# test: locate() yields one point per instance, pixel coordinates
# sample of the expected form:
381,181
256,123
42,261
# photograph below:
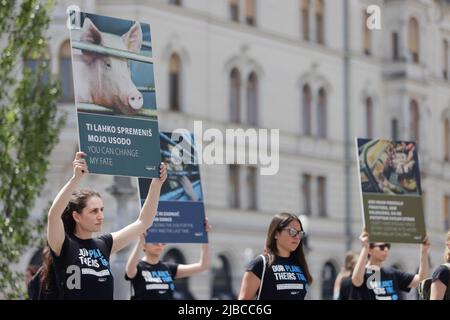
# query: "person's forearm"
150,207
204,257
133,260
358,272
63,198
424,267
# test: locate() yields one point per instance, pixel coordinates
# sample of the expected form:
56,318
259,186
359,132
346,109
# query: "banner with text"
391,192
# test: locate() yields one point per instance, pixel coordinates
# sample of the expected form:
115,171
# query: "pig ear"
90,34
133,38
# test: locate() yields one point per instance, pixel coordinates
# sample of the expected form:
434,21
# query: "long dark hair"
278,223
76,203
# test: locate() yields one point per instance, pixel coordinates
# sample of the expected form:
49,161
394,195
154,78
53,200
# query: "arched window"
252,99
306,110
222,280
414,39
320,22
445,60
414,129
446,140
250,12
65,72
174,82
234,10
329,274
369,117
394,129
366,34
182,291
322,114
235,95
305,19
35,60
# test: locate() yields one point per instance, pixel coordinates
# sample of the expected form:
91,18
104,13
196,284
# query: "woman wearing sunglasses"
151,278
371,281
440,289
281,272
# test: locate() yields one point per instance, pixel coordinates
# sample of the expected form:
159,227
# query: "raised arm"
424,267
186,270
358,271
55,226
127,234
133,260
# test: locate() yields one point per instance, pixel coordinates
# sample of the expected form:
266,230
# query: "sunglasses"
381,246
294,232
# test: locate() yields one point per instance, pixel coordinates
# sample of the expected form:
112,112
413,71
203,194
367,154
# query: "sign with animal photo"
390,190
115,95
181,214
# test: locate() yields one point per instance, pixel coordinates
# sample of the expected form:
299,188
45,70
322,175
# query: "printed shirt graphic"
87,274
154,281
283,280
388,285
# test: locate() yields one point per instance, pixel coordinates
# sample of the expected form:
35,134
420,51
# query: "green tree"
29,129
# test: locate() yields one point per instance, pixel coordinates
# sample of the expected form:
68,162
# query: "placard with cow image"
181,213
114,87
390,188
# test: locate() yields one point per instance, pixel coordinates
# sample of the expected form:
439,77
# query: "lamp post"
122,191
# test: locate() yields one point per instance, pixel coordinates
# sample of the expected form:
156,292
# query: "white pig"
106,80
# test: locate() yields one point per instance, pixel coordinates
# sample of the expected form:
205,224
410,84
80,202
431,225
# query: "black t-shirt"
346,291
386,287
154,281
84,267
283,280
442,273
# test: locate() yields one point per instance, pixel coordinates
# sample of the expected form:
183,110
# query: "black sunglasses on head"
381,246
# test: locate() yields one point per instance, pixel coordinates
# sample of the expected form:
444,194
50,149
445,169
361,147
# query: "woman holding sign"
281,272
441,276
371,281
153,279
81,261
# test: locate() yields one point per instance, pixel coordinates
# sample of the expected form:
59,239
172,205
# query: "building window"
306,194
446,140
322,114
305,19
250,12
235,95
320,22
413,39
252,188
222,280
394,129
234,187
414,129
252,99
395,55
322,196
65,72
174,82
306,110
35,62
329,274
369,117
234,10
366,34
175,2
446,212
445,60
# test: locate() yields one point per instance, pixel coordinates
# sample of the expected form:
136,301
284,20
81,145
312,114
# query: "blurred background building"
308,67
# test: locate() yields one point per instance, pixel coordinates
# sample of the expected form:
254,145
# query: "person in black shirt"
81,261
285,274
153,279
441,276
371,281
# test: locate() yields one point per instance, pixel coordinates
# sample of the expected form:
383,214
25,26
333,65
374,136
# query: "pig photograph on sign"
115,95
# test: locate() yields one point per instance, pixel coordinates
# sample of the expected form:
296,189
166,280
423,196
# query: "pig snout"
135,100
